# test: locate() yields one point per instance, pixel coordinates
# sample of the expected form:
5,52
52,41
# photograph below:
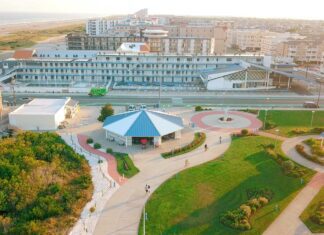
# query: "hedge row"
199,139
289,167
318,216
301,150
240,217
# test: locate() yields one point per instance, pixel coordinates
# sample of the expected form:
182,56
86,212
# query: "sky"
298,9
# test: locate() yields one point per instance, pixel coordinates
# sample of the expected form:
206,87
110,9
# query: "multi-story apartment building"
304,50
322,64
71,67
273,44
246,39
158,40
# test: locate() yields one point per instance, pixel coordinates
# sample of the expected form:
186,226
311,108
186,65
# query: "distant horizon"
276,9
92,15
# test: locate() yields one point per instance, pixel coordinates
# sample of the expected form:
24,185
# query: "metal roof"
143,123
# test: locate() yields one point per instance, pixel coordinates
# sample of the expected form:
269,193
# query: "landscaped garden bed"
313,215
293,122
44,184
125,165
199,139
193,201
317,153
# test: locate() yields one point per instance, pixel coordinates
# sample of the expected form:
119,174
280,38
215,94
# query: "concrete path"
122,213
288,222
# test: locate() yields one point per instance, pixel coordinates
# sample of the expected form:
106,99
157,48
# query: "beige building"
322,64
157,40
304,50
246,39
273,44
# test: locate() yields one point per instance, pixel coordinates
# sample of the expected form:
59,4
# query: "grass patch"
125,165
309,212
293,122
193,201
198,140
26,39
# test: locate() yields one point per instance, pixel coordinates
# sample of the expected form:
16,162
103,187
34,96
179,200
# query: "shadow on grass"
269,175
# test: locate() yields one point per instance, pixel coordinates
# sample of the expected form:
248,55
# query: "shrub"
198,108
89,141
318,216
109,150
92,209
263,201
239,218
199,139
244,132
105,112
97,146
246,209
288,165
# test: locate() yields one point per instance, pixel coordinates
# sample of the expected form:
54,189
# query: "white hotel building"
67,68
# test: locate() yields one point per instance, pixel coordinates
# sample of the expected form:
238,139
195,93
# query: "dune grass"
26,39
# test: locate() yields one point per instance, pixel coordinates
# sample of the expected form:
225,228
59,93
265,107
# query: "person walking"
220,140
186,163
146,189
206,147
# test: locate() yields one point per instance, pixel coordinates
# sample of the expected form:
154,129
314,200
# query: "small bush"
92,209
198,108
288,165
109,150
97,146
89,141
244,132
318,216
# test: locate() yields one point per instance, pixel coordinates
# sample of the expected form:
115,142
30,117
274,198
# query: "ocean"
7,18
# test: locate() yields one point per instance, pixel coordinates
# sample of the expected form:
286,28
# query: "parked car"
310,105
142,107
131,108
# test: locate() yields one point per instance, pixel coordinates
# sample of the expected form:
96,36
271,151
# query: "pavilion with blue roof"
132,127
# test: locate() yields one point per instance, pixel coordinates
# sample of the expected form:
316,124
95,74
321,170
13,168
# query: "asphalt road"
232,100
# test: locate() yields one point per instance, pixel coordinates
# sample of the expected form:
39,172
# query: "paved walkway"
288,222
123,211
273,136
112,162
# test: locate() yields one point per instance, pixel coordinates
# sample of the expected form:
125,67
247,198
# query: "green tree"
106,111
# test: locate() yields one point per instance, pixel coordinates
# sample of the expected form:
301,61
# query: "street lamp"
319,80
265,119
313,112
277,133
322,137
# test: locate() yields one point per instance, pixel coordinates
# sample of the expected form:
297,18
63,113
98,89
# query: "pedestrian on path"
220,140
186,163
146,189
149,188
206,147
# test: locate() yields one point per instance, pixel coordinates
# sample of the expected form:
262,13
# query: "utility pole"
319,92
13,83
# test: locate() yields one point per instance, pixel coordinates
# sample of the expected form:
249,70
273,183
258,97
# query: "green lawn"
287,120
192,201
308,212
125,165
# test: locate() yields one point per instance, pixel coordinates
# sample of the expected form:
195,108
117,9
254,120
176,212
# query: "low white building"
41,114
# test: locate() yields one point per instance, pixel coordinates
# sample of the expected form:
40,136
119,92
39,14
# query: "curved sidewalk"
112,162
288,222
123,211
